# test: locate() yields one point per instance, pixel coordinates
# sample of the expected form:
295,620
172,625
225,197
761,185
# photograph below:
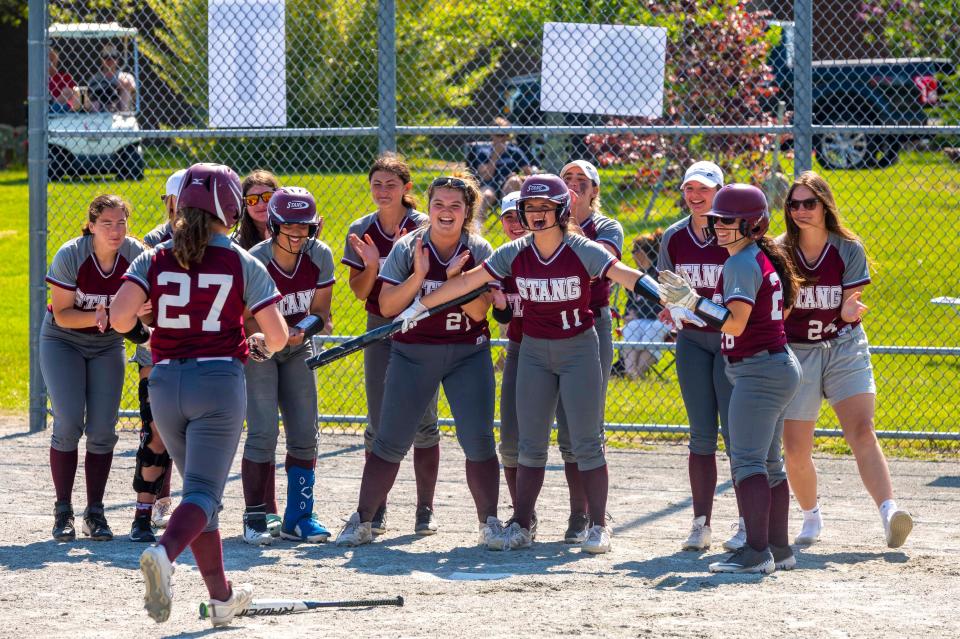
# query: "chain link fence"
864,91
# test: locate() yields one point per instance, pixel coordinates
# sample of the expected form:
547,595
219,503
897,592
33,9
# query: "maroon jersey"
313,270
816,314
515,327
454,326
608,232
555,290
75,268
370,225
749,277
199,313
702,262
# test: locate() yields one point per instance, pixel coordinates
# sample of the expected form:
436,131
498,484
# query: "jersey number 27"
168,302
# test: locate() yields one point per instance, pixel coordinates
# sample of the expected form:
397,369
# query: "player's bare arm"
362,281
125,306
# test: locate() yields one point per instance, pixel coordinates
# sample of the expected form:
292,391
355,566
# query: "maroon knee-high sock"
378,477
578,496
483,479
208,553
270,490
529,483
736,493
426,467
780,514
703,483
755,497
366,457
186,523
63,467
510,474
165,488
596,484
96,469
290,460
253,476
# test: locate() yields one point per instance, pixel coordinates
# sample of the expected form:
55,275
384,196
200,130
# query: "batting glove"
676,290
413,314
680,315
258,348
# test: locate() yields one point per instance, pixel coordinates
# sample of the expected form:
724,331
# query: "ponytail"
786,270
191,234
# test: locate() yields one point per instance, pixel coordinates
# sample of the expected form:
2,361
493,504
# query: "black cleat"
63,527
577,526
747,560
95,524
142,530
378,525
426,524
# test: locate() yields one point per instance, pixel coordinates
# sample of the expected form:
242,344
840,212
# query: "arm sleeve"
259,289
741,280
322,257
399,264
856,272
63,270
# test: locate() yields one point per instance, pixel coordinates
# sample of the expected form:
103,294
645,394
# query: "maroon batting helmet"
292,205
744,202
213,188
549,187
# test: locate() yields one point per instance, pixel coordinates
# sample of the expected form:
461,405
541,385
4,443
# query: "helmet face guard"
548,187
293,205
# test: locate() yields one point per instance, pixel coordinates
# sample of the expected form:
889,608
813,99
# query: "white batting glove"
677,290
680,315
413,314
257,344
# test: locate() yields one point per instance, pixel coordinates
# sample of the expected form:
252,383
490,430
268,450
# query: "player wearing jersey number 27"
199,284
757,286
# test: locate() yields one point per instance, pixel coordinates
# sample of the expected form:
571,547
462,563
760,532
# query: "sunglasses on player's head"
253,198
447,181
808,204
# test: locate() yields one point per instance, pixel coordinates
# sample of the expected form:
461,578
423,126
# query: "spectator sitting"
60,84
111,89
640,315
499,165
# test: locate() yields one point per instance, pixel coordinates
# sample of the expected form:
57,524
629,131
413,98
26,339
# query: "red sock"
426,467
208,553
703,483
63,467
780,514
529,483
578,497
186,523
483,479
309,464
96,469
510,474
165,489
253,476
755,497
596,485
378,478
270,490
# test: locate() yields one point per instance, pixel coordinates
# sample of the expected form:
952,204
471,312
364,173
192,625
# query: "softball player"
688,248
152,473
452,349
582,178
368,243
199,284
82,360
824,331
757,285
559,356
302,269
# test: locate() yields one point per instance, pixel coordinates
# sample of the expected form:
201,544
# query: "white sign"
601,68
246,63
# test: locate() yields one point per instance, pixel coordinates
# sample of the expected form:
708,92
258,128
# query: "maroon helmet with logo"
292,205
744,202
547,186
213,188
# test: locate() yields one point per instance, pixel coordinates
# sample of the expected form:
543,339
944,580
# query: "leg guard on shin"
146,457
146,415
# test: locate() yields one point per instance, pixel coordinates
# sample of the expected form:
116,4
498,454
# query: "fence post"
37,185
802,86
387,75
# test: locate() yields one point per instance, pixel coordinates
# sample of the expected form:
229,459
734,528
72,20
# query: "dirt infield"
848,585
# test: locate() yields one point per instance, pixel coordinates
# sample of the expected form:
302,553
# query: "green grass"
906,215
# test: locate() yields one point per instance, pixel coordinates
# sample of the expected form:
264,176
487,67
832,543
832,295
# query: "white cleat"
700,535
597,541
158,581
516,538
222,612
355,532
255,530
739,539
898,528
162,509
809,531
491,534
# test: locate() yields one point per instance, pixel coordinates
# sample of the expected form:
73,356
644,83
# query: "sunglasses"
447,181
726,221
252,199
808,204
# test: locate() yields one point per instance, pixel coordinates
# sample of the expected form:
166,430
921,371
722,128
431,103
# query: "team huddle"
224,297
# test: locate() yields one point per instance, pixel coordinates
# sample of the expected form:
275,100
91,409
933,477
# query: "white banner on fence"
602,68
246,63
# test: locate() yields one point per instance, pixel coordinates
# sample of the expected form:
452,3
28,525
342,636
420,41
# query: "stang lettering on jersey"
89,302
294,303
702,275
821,297
555,289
